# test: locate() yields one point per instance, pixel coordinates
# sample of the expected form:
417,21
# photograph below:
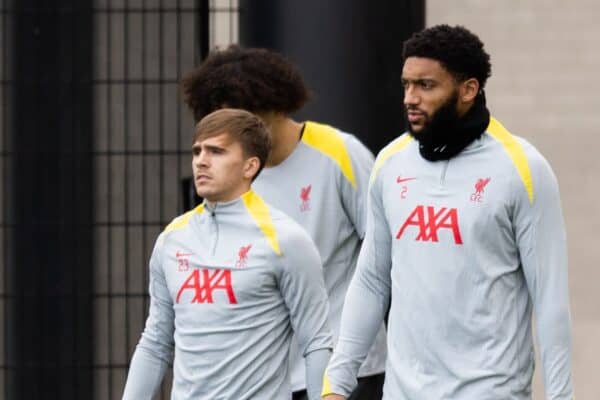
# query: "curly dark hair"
459,50
256,80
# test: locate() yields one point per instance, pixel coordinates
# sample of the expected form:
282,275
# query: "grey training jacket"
322,185
228,286
466,249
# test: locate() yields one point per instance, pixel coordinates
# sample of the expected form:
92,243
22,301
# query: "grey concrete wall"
544,87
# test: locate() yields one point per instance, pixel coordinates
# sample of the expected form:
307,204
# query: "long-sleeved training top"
322,185
228,285
466,248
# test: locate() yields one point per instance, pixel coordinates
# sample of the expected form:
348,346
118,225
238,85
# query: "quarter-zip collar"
227,207
219,213
249,207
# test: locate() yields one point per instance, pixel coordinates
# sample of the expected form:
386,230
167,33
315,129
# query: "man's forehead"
213,139
421,67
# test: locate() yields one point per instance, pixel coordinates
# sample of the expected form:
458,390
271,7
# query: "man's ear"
468,90
251,167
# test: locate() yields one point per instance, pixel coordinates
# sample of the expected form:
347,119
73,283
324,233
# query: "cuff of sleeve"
328,389
320,342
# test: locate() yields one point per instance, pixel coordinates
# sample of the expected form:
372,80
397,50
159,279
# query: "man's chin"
202,192
415,129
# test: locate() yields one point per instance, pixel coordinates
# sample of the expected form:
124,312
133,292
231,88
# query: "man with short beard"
465,237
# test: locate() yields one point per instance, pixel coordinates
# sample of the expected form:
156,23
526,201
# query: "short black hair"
256,80
459,50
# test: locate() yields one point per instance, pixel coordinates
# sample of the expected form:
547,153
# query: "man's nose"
411,96
201,159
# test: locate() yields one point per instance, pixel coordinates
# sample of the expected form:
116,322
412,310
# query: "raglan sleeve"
154,351
303,290
354,194
366,301
541,239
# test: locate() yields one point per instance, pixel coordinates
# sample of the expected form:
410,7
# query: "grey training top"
466,248
322,185
228,285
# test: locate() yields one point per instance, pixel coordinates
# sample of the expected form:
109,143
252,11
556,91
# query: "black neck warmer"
446,134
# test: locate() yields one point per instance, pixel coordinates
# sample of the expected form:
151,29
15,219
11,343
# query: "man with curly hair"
315,173
465,237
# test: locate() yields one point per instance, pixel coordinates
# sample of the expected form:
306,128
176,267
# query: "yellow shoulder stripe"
259,211
389,151
183,220
326,386
515,152
328,141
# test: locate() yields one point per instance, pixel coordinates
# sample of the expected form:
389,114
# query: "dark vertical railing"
94,143
108,198
140,151
52,202
82,184
8,286
202,30
143,123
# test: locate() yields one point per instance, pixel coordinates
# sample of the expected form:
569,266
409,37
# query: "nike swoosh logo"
400,179
178,254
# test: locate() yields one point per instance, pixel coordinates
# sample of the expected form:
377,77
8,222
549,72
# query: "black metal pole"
349,52
51,331
189,198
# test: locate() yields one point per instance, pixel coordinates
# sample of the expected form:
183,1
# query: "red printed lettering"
429,221
202,282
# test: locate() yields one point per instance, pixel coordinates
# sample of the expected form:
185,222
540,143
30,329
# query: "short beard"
446,134
441,121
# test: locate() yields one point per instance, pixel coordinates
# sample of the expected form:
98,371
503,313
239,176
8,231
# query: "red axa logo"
305,197
204,282
479,189
429,221
243,256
